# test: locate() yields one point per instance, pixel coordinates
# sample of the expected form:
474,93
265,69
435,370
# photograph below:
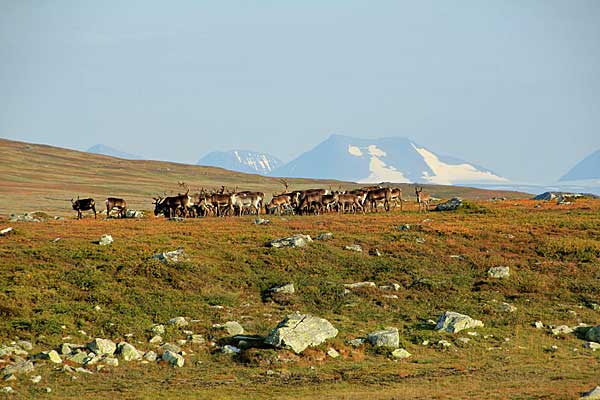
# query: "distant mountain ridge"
588,168
393,159
110,151
242,161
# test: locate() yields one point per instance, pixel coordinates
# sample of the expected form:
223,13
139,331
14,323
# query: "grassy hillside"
38,177
49,290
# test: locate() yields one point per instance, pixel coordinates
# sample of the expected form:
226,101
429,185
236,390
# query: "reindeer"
422,199
378,195
80,205
119,204
246,200
396,197
169,205
329,201
352,201
311,199
220,202
277,202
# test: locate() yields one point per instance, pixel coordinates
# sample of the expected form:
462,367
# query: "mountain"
383,160
109,151
588,168
242,161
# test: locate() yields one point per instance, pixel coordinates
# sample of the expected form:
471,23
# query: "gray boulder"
105,240
173,358
499,272
178,322
400,354
388,337
592,394
19,367
454,322
292,241
449,205
174,256
25,217
128,352
325,236
593,334
102,346
354,247
150,356
360,285
6,231
287,288
299,331
134,214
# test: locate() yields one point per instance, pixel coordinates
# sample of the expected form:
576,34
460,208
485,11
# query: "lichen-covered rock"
129,352
173,358
178,322
233,328
105,240
592,394
299,331
593,334
174,256
388,337
102,346
158,329
150,356
325,236
170,347
454,322
400,354
19,367
354,247
359,285
499,272
449,205
562,330
292,241
287,288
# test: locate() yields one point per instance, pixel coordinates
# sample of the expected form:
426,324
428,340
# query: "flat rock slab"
174,256
292,241
299,331
499,272
454,322
449,205
388,337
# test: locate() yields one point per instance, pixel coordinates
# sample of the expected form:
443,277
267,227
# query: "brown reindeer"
311,200
277,202
171,204
396,197
379,195
422,199
352,201
80,205
119,204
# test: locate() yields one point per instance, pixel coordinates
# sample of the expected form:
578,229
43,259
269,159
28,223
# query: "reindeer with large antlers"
422,199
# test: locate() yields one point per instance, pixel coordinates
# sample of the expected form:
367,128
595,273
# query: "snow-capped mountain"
588,168
109,151
396,160
242,161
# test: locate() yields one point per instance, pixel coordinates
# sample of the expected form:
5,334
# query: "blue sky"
511,85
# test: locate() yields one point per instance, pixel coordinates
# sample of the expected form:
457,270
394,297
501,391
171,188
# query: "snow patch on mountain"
241,160
447,174
379,171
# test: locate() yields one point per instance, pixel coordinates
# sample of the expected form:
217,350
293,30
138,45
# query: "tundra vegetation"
72,290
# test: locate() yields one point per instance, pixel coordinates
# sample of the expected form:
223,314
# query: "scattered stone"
390,286
25,217
10,377
449,205
25,345
298,331
463,340
388,337
404,227
375,252
538,325
420,240
36,379
505,307
196,339
292,241
79,358
134,214
83,370
325,236
7,390
499,272
156,339
261,221
287,288
181,342
359,285
67,368
561,330
173,358
102,346
170,347
158,329
472,333
592,394
454,322
592,346
105,240
178,322
593,334
595,306
128,352
111,361
229,349
389,296
150,356
444,344
53,356
401,354
354,247
19,367
177,219
6,231
357,342
333,353
233,328
174,256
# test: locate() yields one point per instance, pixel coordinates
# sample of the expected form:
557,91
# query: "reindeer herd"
223,202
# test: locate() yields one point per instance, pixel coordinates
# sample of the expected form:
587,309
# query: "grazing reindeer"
422,199
119,204
352,201
377,195
246,200
220,202
170,205
277,202
311,199
80,205
330,201
396,197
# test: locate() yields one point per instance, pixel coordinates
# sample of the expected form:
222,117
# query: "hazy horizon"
512,86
